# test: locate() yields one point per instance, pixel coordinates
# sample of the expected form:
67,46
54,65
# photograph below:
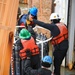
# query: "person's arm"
42,24
52,27
18,44
28,69
30,29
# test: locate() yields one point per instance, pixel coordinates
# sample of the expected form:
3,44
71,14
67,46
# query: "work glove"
30,18
28,22
28,53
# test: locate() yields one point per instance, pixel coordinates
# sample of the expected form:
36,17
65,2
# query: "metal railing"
42,42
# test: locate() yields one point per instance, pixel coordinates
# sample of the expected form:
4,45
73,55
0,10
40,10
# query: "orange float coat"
62,36
28,44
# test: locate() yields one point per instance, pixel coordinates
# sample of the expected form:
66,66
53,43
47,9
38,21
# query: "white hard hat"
54,16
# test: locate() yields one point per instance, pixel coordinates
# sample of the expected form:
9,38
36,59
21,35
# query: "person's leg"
22,67
58,58
56,63
35,61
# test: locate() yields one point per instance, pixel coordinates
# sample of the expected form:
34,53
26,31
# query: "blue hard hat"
47,59
33,11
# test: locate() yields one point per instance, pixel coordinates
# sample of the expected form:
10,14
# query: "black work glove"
28,53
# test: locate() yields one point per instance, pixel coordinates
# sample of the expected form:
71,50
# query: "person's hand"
28,22
28,53
31,17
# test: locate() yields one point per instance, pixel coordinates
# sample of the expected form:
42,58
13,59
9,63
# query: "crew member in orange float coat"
28,42
59,33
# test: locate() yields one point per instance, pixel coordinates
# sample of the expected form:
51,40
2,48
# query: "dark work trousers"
35,63
58,58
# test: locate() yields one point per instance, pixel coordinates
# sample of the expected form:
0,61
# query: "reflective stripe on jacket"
62,36
28,44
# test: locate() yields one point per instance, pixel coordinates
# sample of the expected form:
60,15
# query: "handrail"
41,42
19,26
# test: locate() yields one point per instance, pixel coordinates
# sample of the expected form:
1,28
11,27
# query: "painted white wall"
61,8
71,32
